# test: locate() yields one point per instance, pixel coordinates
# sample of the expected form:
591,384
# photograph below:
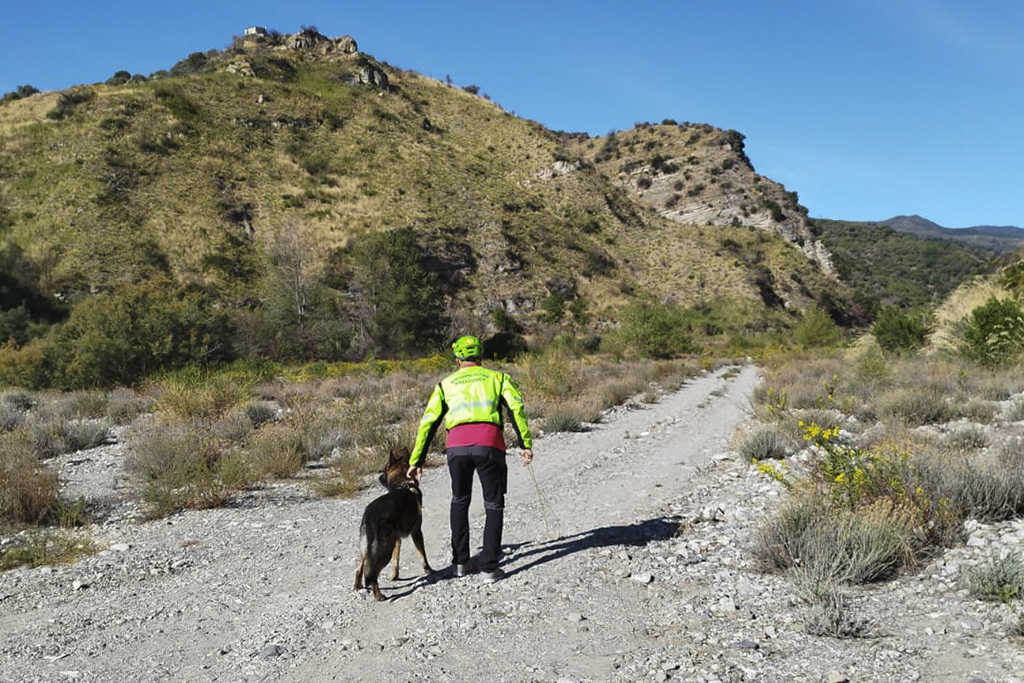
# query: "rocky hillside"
218,174
700,175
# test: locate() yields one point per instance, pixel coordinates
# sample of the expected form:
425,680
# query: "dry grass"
29,491
46,548
53,433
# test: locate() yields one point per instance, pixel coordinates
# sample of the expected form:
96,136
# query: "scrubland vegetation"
894,451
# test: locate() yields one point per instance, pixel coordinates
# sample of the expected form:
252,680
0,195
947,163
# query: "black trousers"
489,464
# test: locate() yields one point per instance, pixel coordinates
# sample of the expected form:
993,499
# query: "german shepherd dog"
386,521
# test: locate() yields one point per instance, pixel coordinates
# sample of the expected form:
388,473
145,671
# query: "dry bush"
53,433
159,449
977,486
939,375
966,439
11,417
276,451
19,400
619,391
767,443
976,410
124,405
913,406
570,417
849,546
552,375
1016,412
29,492
185,465
349,472
87,404
46,548
260,412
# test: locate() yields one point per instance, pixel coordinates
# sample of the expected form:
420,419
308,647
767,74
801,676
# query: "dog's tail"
364,539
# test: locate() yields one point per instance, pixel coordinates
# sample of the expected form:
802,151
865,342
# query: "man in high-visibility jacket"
469,401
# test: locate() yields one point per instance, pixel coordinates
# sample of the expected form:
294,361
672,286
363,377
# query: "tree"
119,337
404,304
119,78
21,92
655,330
298,316
552,309
816,329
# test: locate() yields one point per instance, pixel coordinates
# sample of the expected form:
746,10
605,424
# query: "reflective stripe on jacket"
471,394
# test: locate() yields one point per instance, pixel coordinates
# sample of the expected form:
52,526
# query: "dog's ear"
400,455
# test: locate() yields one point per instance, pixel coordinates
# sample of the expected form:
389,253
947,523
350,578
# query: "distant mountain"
998,238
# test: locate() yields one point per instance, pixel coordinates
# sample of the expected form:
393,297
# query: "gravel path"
649,579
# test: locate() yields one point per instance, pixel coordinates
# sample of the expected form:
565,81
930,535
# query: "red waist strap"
476,434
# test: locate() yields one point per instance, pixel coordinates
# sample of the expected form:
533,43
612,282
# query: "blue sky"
866,108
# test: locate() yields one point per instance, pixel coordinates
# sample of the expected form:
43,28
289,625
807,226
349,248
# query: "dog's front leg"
417,540
394,560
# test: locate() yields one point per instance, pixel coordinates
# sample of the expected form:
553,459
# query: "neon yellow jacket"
471,394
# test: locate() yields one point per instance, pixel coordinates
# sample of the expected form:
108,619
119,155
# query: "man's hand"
527,455
413,473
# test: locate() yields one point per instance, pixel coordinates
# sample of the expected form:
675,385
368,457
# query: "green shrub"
655,330
194,393
406,312
68,101
45,548
897,331
816,329
872,367
552,309
1000,578
993,333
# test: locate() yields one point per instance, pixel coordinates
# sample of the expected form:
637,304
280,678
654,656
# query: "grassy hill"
262,178
897,268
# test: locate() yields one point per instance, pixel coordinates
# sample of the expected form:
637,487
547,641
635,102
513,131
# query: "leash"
545,507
